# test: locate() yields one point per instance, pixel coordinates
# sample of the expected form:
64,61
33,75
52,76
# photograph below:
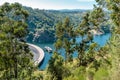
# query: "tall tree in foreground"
86,38
113,6
55,68
65,38
15,57
64,35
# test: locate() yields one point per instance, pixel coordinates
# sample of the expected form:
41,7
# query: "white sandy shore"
37,52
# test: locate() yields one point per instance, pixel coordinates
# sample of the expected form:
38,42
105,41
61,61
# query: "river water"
100,39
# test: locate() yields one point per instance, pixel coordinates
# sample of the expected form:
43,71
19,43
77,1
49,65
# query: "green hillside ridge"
42,23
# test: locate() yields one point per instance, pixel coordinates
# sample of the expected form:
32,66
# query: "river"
100,39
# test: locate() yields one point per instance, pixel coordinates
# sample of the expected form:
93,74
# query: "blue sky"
55,4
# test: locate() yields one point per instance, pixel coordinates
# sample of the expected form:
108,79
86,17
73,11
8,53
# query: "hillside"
42,22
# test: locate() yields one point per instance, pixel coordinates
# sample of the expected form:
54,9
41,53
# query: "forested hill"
42,22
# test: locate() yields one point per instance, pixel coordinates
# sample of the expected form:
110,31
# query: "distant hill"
73,10
42,22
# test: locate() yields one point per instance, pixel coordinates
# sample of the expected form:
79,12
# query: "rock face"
41,36
44,36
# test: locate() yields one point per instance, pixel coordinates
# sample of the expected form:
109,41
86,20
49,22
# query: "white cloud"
85,0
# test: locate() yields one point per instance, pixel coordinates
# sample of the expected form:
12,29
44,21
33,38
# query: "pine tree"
113,6
55,68
65,38
81,47
15,57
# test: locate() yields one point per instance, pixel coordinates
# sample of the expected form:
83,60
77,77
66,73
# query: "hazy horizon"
55,5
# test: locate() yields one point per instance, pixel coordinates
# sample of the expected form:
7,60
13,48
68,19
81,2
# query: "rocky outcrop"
42,36
96,32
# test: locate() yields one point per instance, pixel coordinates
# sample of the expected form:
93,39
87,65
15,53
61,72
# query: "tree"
15,56
55,67
114,8
65,38
97,17
81,47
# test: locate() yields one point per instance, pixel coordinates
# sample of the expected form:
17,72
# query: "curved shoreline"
37,52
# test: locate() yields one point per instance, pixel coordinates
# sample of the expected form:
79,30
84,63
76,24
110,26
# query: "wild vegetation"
93,62
42,23
15,57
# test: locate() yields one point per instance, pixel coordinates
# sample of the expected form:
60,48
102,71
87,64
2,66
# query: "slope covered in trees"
42,22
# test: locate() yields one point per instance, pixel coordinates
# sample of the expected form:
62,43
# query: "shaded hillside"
42,22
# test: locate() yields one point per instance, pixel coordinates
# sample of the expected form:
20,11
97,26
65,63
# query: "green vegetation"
93,62
15,58
41,23
114,7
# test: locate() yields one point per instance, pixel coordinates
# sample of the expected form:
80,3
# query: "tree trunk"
15,69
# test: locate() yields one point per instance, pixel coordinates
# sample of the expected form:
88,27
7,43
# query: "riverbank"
96,32
100,39
37,52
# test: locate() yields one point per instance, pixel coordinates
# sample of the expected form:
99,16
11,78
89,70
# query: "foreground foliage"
93,62
15,57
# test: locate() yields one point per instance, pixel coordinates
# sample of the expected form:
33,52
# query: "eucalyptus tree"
15,57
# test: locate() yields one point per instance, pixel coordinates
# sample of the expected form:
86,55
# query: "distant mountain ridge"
73,10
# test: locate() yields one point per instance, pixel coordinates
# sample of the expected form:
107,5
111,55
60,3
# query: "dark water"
101,40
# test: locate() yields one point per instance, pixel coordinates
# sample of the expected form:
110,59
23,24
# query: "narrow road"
37,52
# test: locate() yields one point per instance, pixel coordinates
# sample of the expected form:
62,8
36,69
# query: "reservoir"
100,39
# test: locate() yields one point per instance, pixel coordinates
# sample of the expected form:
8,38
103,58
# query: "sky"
55,4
